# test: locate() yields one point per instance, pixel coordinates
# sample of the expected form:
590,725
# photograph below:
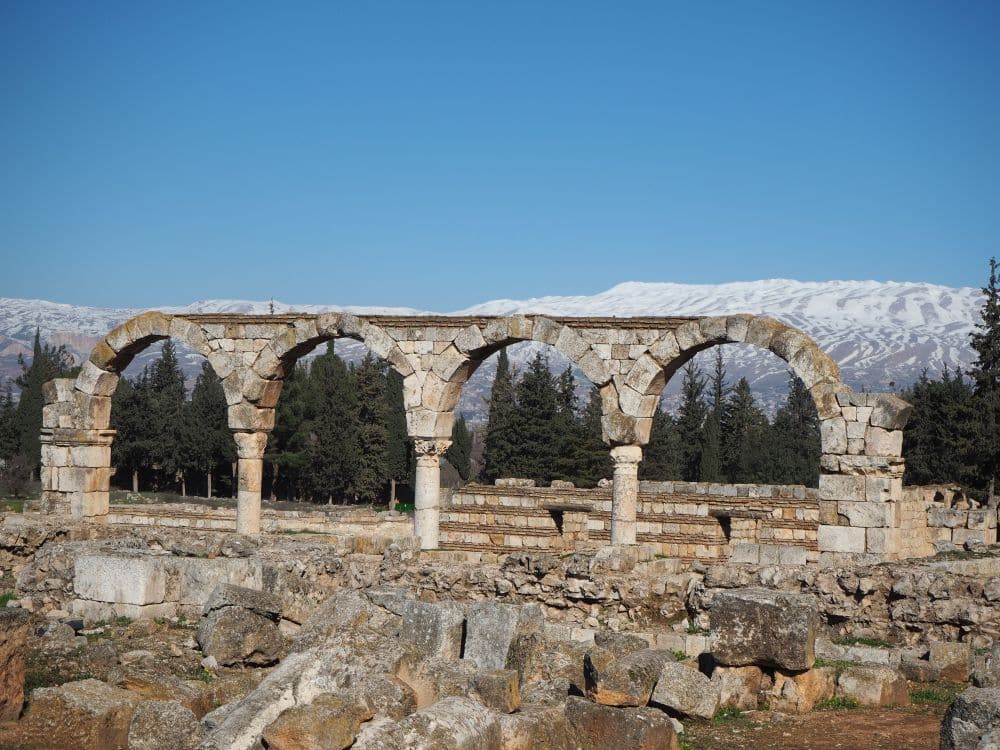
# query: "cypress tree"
593,458
661,459
333,443
400,458
501,447
372,473
985,374
795,437
130,418
459,453
8,426
710,465
567,427
744,432
287,444
690,421
210,442
169,450
535,421
47,362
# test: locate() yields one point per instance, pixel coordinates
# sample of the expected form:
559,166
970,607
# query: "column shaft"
427,510
625,493
250,466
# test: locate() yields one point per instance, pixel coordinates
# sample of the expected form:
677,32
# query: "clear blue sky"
438,154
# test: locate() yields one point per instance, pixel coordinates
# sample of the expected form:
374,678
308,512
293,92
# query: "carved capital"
432,448
626,454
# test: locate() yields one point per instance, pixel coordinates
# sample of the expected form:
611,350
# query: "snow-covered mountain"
883,334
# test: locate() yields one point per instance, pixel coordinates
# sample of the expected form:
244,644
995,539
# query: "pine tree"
9,443
795,438
744,433
400,458
985,374
47,362
332,452
710,465
210,442
134,432
661,459
690,422
502,442
535,421
593,457
287,444
567,427
169,451
372,473
459,453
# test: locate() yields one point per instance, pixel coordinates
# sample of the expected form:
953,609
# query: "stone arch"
818,372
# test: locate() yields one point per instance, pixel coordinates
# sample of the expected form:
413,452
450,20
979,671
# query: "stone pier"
629,360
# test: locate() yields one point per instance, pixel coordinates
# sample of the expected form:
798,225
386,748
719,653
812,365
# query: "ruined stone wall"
769,524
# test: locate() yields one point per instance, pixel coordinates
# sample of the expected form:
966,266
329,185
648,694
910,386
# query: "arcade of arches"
629,359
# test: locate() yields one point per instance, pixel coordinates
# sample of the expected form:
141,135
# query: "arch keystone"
689,335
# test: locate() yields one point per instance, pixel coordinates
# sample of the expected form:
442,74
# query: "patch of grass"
5,597
123,622
730,715
12,505
300,531
405,507
835,663
204,675
837,704
851,640
695,630
679,655
936,695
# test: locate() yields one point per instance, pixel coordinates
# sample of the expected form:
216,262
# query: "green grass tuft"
860,641
937,695
837,704
679,655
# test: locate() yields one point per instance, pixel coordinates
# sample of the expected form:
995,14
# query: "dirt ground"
916,728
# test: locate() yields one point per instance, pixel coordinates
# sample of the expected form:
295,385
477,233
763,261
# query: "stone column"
427,515
250,465
626,493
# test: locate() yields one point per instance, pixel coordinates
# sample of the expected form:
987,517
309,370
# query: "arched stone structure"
628,359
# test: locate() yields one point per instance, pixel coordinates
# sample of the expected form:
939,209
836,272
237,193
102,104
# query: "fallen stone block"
435,679
120,579
799,693
972,717
15,625
262,603
952,660
452,724
429,630
597,727
739,687
238,636
685,691
84,715
502,636
762,627
627,681
873,686
163,725
330,722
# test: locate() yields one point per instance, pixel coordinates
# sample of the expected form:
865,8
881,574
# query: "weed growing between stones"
936,695
837,704
859,641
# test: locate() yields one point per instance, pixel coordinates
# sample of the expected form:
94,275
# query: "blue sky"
440,154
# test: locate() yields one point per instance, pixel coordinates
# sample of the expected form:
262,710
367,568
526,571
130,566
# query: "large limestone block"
84,715
873,686
234,636
738,687
449,724
163,725
14,627
435,679
330,722
597,727
684,690
499,636
880,442
840,539
890,412
972,716
952,660
799,693
198,577
628,681
121,579
428,630
762,627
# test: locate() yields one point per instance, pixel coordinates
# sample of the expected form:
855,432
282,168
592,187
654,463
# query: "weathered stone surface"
449,724
972,716
952,660
498,636
738,687
757,626
234,635
628,681
121,579
163,725
428,629
228,595
686,691
14,627
330,722
84,715
434,679
597,727
873,686
799,693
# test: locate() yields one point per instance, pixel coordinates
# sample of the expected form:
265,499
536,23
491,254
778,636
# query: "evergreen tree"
400,459
985,374
567,427
333,442
459,453
593,458
288,442
534,420
9,442
710,465
502,443
169,451
47,362
690,421
661,460
135,434
208,438
795,438
940,439
372,473
744,432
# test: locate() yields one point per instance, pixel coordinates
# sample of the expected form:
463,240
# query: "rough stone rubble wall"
684,520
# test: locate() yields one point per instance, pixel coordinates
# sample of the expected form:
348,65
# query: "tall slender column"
427,515
250,465
625,493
